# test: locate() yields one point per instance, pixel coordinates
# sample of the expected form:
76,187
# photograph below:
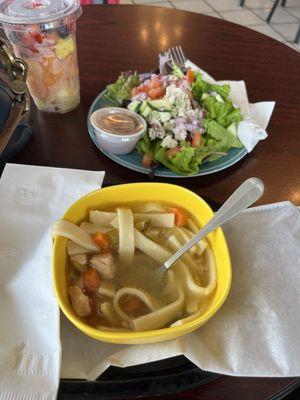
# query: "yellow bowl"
122,194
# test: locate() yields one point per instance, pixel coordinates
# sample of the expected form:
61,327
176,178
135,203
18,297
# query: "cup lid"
37,11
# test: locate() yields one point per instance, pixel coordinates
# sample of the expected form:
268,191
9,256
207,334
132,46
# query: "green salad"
189,120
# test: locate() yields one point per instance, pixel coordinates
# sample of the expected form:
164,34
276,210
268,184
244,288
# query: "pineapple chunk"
64,48
66,99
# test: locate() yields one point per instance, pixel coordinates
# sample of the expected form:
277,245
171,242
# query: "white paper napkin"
256,116
257,331
31,199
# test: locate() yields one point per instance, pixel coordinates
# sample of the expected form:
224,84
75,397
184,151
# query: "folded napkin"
256,116
255,333
31,199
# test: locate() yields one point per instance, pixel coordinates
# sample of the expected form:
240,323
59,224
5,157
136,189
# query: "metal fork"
177,56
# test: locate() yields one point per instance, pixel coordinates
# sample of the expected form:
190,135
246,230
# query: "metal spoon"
245,195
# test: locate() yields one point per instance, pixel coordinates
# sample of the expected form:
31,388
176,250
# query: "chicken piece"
80,302
80,259
104,263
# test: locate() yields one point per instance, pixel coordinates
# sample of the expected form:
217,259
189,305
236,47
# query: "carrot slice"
131,304
190,76
91,278
181,217
101,239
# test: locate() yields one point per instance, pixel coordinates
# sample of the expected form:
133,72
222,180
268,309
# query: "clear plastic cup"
43,33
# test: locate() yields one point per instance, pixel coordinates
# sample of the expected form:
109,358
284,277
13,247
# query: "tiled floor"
283,26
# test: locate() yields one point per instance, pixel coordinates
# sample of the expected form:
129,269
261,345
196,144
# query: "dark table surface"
115,38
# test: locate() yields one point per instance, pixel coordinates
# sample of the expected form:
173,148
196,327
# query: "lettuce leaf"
188,160
183,163
225,138
235,115
145,145
200,86
223,90
224,112
121,89
210,150
148,146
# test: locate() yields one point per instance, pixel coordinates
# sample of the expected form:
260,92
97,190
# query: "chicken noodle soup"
114,277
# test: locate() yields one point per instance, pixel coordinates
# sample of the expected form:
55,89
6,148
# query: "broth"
117,283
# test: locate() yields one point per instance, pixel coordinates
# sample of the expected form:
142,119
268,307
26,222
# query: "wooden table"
115,38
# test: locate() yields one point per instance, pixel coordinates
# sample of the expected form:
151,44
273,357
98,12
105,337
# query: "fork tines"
177,56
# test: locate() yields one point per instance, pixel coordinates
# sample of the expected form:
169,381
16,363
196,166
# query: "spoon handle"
245,195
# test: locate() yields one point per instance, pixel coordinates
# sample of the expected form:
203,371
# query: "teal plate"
134,160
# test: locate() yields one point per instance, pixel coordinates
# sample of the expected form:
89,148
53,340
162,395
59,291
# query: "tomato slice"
196,139
147,160
155,83
190,76
153,88
172,152
28,42
37,37
156,93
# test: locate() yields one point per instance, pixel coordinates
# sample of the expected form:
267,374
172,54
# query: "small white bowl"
117,143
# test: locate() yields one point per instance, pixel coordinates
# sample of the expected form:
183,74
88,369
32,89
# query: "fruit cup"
43,33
